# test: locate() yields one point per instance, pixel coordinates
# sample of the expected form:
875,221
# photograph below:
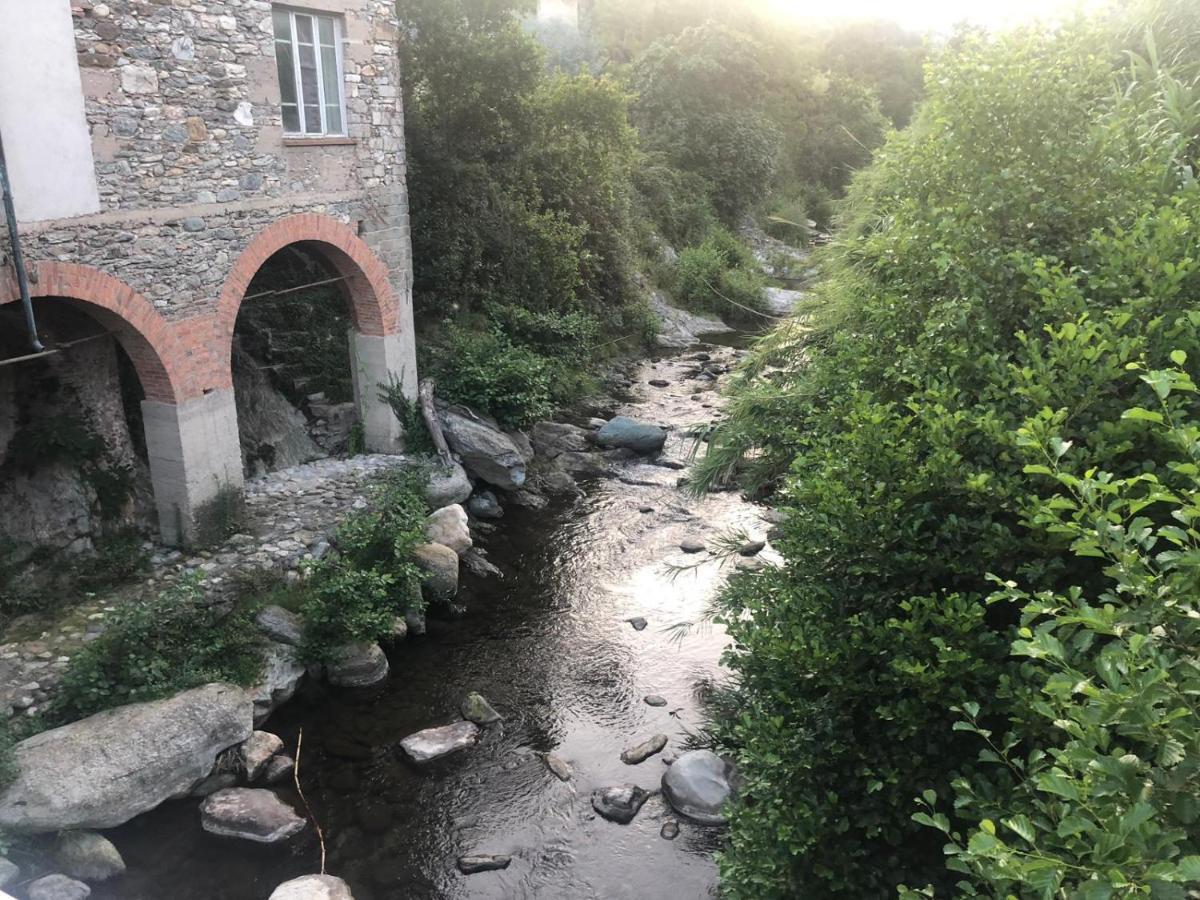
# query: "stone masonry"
198,187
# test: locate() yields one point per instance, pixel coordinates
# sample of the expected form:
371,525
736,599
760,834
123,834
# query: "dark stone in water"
752,548
638,623
670,830
692,545
619,804
659,383
655,700
469,865
643,751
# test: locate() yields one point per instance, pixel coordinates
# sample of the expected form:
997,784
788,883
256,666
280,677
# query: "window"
308,56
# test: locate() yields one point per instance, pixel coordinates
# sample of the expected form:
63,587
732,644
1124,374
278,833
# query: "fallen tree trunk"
432,422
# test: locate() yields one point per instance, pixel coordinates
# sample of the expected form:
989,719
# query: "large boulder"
552,439
280,625
88,856
698,785
439,571
630,434
102,771
449,527
358,665
58,887
313,887
281,674
250,814
485,450
447,485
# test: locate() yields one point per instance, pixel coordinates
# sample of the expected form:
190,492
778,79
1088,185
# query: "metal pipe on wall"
10,214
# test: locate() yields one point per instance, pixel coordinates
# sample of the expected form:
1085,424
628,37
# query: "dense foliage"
1007,267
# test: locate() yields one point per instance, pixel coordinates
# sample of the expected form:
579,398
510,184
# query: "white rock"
252,814
257,751
139,80
244,114
448,526
151,752
313,887
433,743
280,677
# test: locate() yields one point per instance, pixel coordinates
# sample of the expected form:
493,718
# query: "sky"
938,15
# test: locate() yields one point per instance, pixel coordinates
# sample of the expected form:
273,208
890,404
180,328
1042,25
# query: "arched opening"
74,468
319,273
291,362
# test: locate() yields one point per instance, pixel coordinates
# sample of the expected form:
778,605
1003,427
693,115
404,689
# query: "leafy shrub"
1094,784
157,647
355,594
720,276
1026,241
486,370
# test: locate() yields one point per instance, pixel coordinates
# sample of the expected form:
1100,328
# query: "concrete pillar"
377,362
195,466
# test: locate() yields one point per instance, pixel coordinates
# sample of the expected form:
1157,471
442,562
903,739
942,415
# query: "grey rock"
280,625
58,887
679,328
583,465
552,439
278,769
626,433
88,856
485,506
447,485
313,887
257,751
218,781
449,527
434,743
439,566
655,700
281,675
9,872
559,766
643,751
669,830
193,223
749,564
692,545
358,665
469,865
485,450
752,548
152,751
475,708
638,623
619,804
251,814
415,621
698,785
659,383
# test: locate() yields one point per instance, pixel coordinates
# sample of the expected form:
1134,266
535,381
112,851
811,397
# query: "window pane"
283,25
325,30
310,91
287,73
333,98
304,29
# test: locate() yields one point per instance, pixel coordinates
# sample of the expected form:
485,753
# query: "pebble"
655,700
669,830
638,623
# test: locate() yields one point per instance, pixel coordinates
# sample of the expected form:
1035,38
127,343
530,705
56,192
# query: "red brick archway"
168,372
374,307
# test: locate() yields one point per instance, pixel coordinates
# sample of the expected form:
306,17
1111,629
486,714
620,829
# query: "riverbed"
550,645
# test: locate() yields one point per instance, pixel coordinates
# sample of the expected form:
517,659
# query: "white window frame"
299,85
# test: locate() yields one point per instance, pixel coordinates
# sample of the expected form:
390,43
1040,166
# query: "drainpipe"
10,213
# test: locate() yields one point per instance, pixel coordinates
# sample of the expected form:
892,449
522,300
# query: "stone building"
160,151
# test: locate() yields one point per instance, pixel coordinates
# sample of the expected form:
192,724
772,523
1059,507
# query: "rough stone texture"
551,439
433,743
698,785
313,887
619,804
267,419
470,865
282,674
643,751
280,625
484,505
88,856
58,887
624,432
9,873
447,486
257,751
358,665
475,708
680,328
559,767
152,751
251,814
485,450
692,545
278,769
449,527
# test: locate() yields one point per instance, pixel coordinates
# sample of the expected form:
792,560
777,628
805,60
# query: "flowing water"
550,647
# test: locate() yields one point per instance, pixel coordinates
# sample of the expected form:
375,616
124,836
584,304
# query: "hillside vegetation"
976,673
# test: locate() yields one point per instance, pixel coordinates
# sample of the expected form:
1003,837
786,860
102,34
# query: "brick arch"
374,306
161,363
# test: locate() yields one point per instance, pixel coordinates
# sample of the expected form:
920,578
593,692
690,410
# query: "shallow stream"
550,646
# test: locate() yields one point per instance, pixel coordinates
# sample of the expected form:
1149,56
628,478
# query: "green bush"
1030,238
158,647
720,276
486,370
355,594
